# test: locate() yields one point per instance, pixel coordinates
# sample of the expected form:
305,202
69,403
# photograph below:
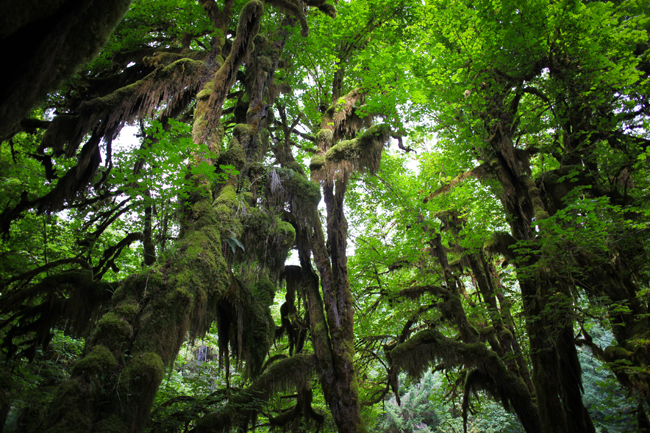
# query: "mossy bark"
556,370
415,355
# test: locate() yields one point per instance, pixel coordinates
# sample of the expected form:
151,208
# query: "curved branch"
415,355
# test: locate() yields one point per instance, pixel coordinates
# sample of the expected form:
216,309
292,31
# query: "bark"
45,45
556,370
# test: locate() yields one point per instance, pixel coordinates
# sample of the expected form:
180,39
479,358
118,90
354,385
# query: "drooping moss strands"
167,84
302,195
69,299
104,117
283,374
160,306
362,153
419,351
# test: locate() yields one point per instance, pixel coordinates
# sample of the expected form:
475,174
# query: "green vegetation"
356,216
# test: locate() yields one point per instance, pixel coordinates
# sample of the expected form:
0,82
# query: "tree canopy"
242,215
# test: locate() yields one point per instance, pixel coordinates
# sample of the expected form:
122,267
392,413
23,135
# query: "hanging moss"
240,409
300,193
500,243
363,152
69,299
419,351
258,333
165,84
267,238
264,291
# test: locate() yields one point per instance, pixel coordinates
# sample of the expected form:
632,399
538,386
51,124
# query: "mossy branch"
477,173
284,374
71,299
501,243
294,10
418,352
362,153
247,29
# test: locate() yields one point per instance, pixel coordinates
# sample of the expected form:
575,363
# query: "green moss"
486,330
144,369
235,154
363,152
264,291
325,135
138,385
112,424
264,63
223,211
506,335
248,196
114,332
128,310
133,286
302,194
206,91
500,243
227,195
317,162
97,363
161,58
295,166
261,42
613,353
72,408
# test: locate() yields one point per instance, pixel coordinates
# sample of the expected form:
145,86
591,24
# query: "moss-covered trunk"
114,384
546,300
340,388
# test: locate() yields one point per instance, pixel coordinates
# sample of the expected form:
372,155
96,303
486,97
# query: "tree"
249,113
536,103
